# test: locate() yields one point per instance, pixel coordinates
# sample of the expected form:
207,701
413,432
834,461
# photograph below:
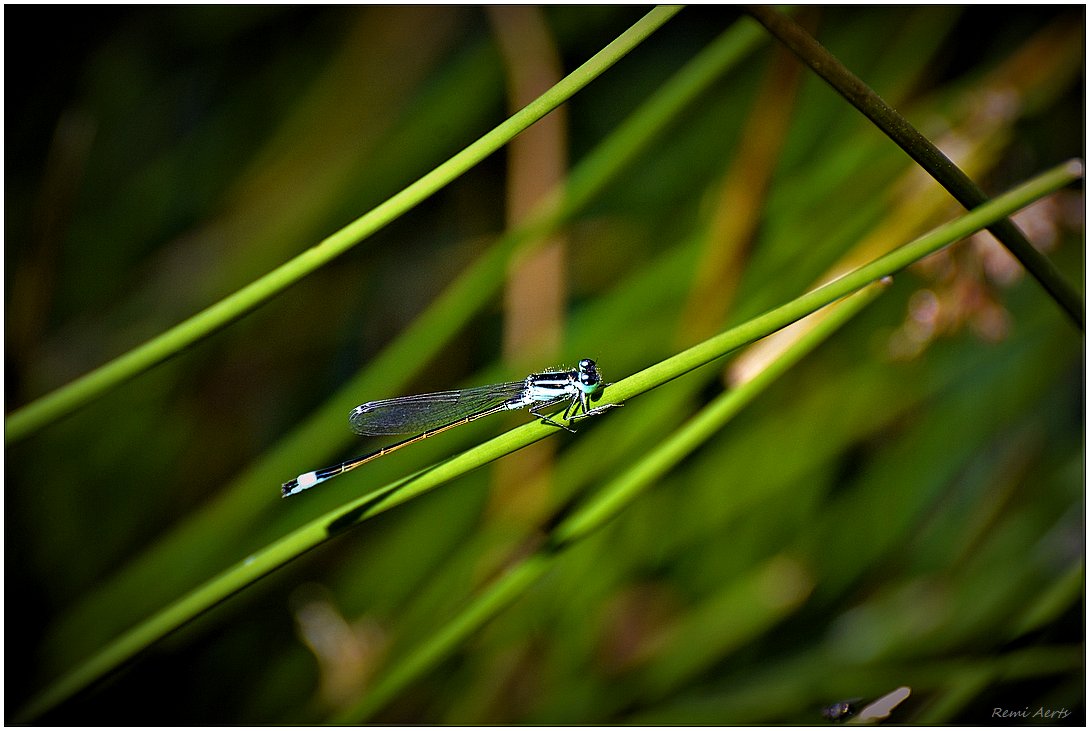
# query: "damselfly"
428,414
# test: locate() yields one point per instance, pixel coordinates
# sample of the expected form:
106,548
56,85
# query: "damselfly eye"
586,364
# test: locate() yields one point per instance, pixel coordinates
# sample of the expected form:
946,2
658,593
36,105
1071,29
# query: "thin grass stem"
321,529
321,434
34,416
605,505
920,149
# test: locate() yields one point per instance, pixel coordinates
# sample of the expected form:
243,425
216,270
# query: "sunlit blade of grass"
608,433
601,507
321,435
738,511
887,265
604,561
788,214
356,511
852,88
37,414
740,203
207,533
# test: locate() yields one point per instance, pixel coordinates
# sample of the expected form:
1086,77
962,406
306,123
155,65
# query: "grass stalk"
34,416
601,508
920,149
356,511
322,433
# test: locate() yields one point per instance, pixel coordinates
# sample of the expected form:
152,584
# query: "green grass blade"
887,265
322,433
360,509
603,506
37,414
922,150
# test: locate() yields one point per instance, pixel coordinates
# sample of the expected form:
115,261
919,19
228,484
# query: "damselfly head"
590,380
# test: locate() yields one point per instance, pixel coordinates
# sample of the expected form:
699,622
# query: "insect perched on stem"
428,414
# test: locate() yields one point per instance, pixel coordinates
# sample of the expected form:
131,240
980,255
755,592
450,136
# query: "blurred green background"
904,508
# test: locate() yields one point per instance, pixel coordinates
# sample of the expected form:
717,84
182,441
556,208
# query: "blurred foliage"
903,508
